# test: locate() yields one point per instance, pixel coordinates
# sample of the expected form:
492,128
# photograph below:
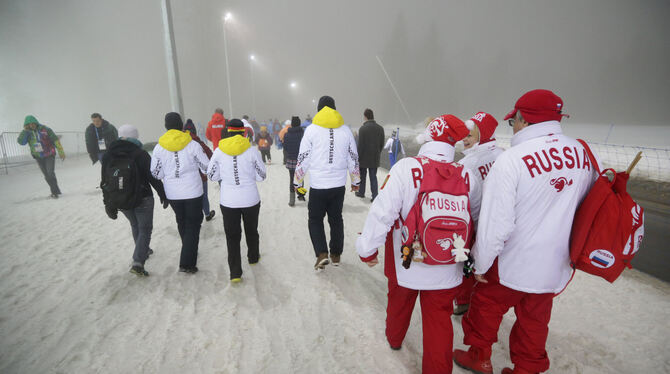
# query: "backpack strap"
592,158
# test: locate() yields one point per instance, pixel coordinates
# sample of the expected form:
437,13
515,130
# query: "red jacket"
214,128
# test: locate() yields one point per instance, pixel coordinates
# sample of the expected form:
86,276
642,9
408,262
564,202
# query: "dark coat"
107,132
292,142
142,160
267,137
370,144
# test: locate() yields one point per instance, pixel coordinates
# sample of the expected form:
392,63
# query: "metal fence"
14,154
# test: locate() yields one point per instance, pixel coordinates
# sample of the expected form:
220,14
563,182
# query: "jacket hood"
174,140
328,118
295,129
217,119
234,145
30,119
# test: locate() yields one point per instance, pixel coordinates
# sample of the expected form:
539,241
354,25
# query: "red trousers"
489,302
438,334
465,290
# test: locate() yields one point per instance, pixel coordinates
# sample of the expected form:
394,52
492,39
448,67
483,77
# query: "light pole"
171,59
226,18
252,58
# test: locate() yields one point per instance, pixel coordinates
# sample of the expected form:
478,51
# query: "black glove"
165,203
111,212
468,267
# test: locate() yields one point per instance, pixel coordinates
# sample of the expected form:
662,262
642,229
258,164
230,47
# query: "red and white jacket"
529,201
396,198
480,158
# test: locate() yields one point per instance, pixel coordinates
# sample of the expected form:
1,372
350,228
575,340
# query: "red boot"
515,371
472,360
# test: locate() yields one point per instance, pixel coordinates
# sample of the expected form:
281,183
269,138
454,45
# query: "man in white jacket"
327,151
480,151
437,285
176,160
521,256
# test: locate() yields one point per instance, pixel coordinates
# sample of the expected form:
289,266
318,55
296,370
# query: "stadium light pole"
252,58
227,18
171,59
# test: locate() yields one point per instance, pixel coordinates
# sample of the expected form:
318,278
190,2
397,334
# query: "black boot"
291,198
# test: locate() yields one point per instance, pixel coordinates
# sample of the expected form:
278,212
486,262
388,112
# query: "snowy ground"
69,305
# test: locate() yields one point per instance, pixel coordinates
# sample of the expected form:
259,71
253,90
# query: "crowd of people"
474,237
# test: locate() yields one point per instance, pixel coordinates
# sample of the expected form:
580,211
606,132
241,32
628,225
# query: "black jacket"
107,132
370,144
142,160
292,140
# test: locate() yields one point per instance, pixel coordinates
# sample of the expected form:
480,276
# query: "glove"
354,188
165,203
301,191
111,212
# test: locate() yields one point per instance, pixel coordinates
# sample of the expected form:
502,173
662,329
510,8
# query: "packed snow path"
69,305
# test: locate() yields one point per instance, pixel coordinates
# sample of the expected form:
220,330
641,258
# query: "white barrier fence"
14,154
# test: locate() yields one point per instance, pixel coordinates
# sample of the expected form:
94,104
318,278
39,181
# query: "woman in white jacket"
436,285
238,166
176,160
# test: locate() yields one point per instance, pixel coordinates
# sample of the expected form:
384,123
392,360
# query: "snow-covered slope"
69,305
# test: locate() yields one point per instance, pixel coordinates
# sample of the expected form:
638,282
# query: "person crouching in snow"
264,141
127,152
480,153
190,127
522,256
327,151
177,160
389,221
238,167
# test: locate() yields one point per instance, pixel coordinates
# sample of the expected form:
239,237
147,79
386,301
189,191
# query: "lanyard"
96,133
37,135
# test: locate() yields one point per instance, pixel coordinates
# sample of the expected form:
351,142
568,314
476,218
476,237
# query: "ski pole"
635,161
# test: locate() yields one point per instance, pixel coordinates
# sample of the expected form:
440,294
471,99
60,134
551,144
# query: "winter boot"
236,280
516,370
335,260
189,270
291,199
210,215
460,309
139,271
321,261
473,360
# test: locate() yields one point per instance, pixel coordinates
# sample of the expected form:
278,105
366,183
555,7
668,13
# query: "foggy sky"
62,60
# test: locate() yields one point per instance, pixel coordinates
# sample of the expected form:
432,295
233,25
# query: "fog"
62,60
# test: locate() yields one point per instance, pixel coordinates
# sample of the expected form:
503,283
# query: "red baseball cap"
538,106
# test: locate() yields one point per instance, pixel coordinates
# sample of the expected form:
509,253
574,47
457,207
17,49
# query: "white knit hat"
128,131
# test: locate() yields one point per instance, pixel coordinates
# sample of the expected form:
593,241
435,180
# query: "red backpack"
608,226
439,221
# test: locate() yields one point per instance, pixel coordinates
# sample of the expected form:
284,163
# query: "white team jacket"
397,198
179,170
327,153
480,157
529,201
238,174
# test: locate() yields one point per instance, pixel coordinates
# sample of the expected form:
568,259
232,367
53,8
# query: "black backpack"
120,182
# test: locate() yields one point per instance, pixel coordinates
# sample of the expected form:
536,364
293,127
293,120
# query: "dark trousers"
291,174
373,181
205,198
265,153
321,202
231,225
48,166
189,218
141,223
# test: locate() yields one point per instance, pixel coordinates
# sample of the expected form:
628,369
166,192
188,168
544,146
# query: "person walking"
394,147
521,256
214,127
370,144
264,141
480,151
238,166
43,144
190,127
176,160
292,140
327,152
127,153
435,284
99,135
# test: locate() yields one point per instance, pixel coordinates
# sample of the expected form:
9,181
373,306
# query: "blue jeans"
141,223
205,199
47,165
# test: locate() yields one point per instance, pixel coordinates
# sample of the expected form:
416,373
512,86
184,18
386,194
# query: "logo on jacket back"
602,258
560,183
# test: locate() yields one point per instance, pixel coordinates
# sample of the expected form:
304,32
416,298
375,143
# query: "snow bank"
69,305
